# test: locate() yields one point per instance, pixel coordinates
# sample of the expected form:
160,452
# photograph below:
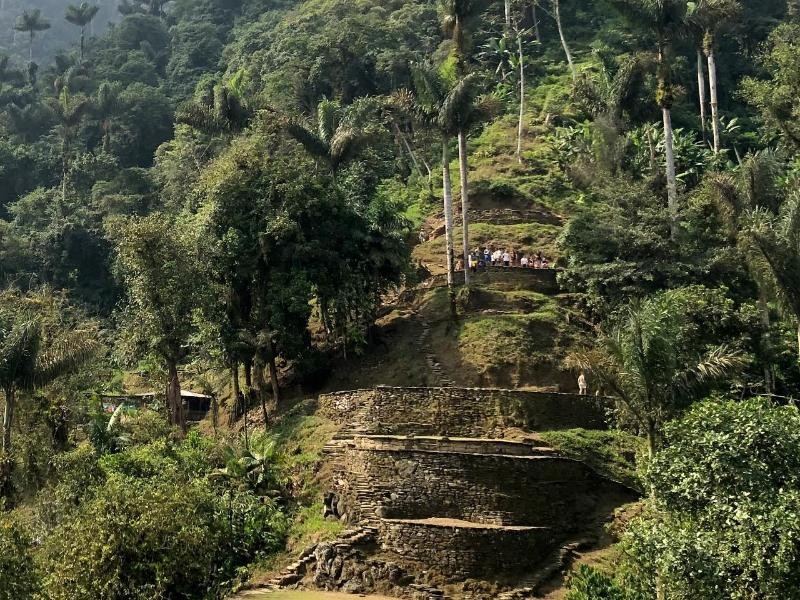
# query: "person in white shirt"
524,261
506,259
584,389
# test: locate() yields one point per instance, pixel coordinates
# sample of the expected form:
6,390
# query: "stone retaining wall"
463,552
482,488
543,281
461,412
441,444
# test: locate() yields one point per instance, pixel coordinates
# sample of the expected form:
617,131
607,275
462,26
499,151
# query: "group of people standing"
489,256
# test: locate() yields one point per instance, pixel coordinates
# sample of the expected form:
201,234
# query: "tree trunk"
174,396
8,419
535,18
261,385
410,150
672,183
763,311
273,374
521,124
464,171
798,342
712,81
246,437
508,13
30,52
83,40
701,86
567,52
651,439
248,373
447,186
237,393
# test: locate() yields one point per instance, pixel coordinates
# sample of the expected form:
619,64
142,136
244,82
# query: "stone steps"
345,542
556,564
440,377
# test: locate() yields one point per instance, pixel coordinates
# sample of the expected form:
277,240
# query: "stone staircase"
440,378
345,542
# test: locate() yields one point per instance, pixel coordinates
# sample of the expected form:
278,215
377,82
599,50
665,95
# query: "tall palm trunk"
8,418
712,81
521,124
447,186
672,183
567,52
701,86
64,168
508,13
464,172
30,49
83,40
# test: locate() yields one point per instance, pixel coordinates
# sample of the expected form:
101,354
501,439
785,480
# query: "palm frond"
717,364
64,356
199,117
458,103
329,115
19,344
310,141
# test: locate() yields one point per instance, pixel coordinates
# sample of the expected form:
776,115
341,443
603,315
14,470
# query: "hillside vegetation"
257,200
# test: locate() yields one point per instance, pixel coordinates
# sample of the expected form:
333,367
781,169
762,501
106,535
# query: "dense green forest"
224,194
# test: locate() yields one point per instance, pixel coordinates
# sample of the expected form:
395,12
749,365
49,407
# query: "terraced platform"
435,489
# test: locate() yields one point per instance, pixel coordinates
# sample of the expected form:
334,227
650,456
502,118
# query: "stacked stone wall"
464,552
461,412
473,412
481,488
543,281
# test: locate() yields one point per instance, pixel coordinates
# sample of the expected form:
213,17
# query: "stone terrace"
429,480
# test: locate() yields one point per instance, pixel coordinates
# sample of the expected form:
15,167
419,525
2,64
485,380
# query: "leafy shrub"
18,577
588,583
725,522
146,540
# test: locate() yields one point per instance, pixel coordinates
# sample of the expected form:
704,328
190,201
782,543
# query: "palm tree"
459,17
81,16
777,237
425,105
754,187
28,361
638,360
69,112
556,7
222,109
31,22
341,131
105,105
512,62
709,18
663,18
